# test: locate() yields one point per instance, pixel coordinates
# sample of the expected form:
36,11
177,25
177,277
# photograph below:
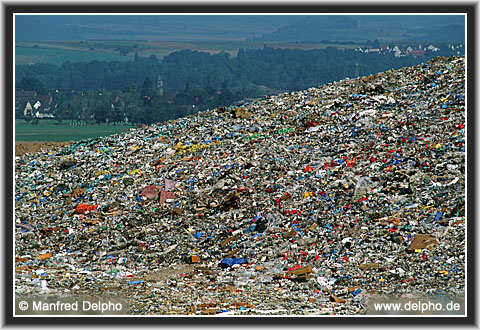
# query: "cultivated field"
58,52
51,130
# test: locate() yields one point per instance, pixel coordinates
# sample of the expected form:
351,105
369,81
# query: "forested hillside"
273,68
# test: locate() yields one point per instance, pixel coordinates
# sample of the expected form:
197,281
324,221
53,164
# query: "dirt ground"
21,148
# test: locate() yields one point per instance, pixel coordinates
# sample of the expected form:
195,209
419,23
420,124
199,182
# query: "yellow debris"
102,173
133,172
308,194
181,148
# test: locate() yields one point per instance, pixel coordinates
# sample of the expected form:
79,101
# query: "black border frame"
9,10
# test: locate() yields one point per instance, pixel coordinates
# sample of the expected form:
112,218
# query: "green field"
58,52
50,130
57,56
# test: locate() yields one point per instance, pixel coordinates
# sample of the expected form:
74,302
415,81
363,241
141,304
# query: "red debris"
82,208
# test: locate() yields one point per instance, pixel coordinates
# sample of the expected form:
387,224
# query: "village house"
170,96
417,52
30,104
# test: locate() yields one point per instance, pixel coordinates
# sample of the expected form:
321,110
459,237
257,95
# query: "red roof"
418,52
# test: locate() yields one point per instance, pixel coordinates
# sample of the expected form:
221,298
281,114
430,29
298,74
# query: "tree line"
117,91
144,104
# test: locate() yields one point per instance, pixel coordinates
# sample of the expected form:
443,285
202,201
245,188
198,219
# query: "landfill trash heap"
308,202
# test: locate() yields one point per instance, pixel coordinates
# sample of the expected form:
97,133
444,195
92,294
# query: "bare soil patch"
23,147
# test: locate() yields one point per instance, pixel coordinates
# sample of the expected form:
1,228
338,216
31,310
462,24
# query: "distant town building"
416,53
31,104
160,84
28,110
170,96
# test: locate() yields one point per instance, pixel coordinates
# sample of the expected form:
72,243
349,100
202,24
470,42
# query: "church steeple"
160,84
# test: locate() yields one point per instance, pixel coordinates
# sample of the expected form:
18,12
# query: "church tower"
160,84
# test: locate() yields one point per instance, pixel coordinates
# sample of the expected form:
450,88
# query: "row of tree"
274,68
144,104
106,92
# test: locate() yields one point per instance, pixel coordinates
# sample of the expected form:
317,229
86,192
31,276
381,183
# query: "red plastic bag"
82,208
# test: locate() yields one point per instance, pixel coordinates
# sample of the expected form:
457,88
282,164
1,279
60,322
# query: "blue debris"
198,235
229,262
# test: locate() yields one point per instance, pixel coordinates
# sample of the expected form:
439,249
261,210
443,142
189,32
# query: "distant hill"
257,28
390,28
147,27
312,28
452,32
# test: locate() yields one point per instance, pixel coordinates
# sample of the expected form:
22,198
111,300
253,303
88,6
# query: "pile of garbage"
308,202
